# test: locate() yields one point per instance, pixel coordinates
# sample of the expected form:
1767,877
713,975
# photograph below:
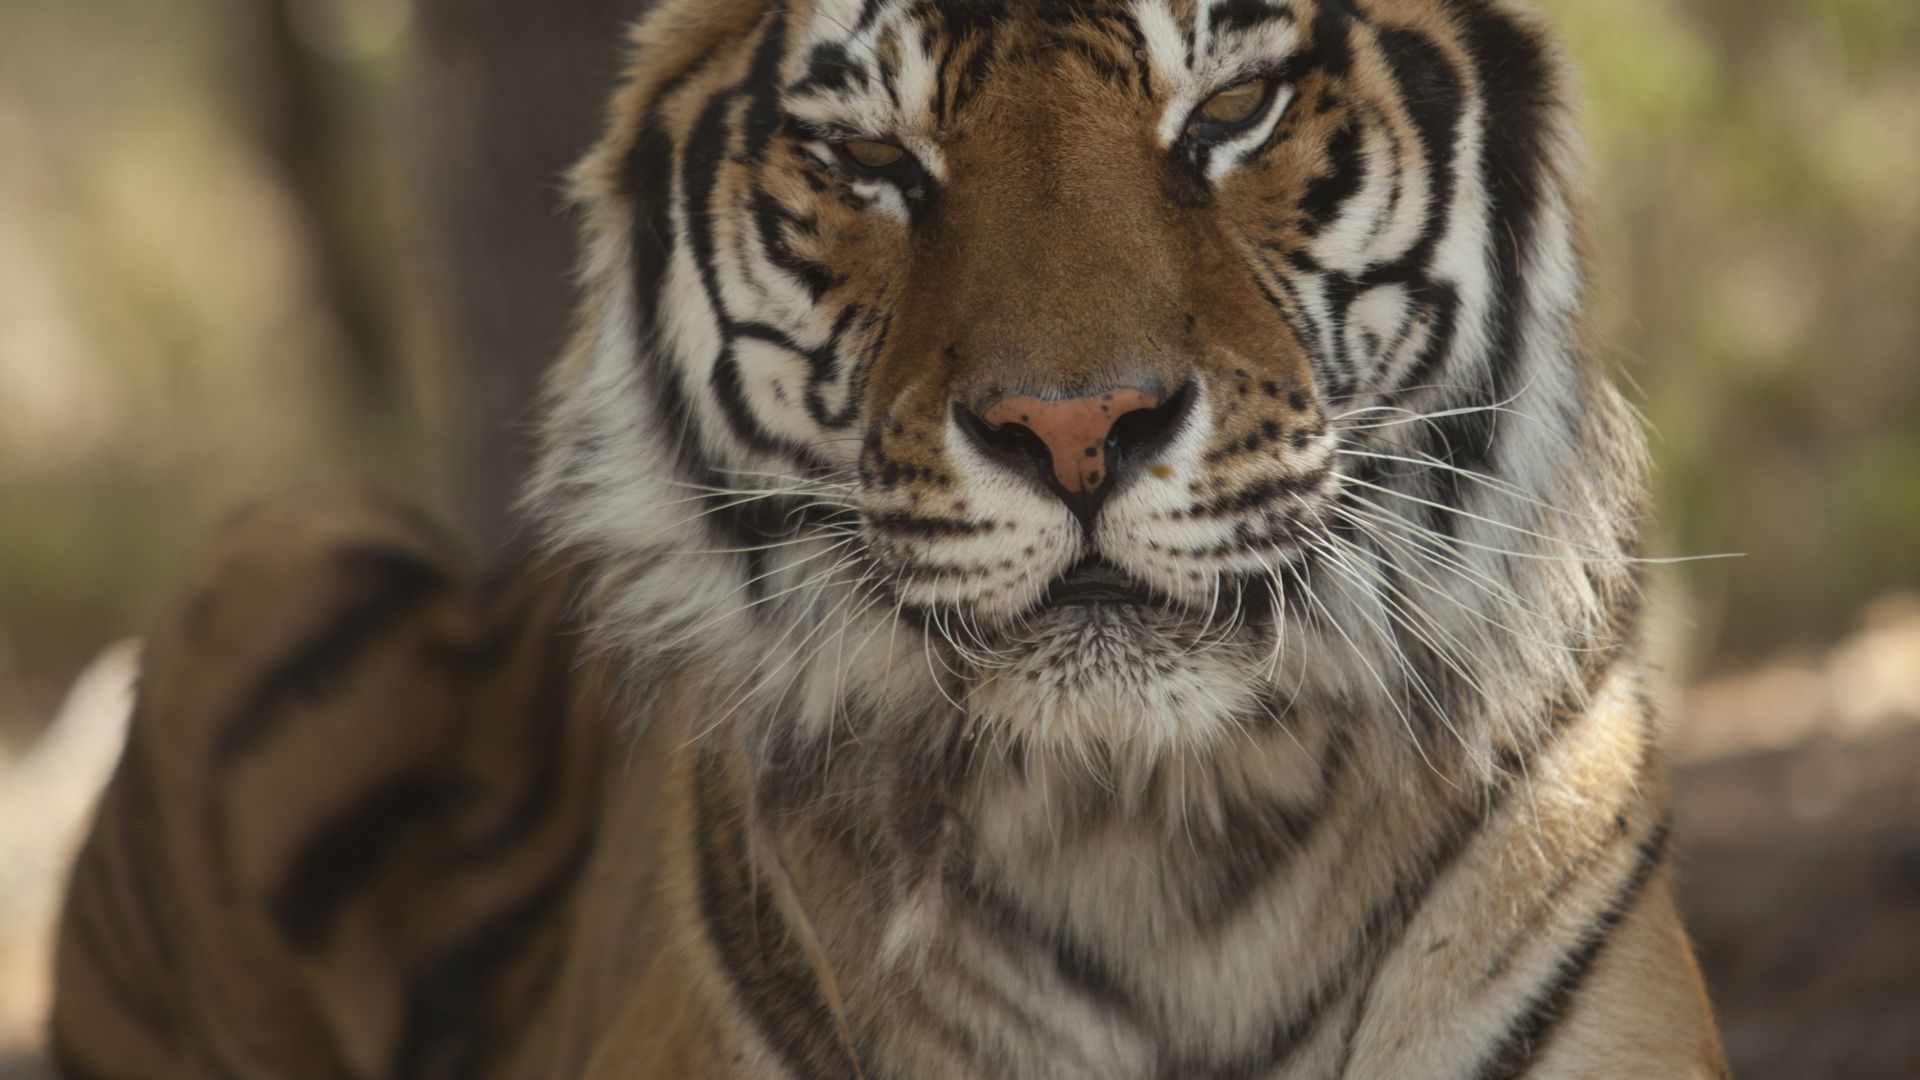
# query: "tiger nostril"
1139,436
1011,441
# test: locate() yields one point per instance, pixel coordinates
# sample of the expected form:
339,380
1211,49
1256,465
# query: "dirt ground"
1800,879
1797,801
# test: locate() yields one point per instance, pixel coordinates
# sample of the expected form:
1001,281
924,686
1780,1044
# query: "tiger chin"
1081,540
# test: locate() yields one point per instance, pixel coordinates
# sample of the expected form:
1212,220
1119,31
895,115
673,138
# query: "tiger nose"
1080,446
1074,431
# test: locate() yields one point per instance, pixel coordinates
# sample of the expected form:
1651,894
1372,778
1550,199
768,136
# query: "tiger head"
1095,372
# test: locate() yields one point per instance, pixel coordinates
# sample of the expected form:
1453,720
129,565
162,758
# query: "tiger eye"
1235,105
872,155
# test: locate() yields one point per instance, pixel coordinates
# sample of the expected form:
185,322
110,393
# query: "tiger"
1075,539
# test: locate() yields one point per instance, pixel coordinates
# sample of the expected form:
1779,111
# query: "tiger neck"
1062,883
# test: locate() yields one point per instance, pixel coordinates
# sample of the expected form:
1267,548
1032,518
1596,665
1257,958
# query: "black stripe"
1079,965
919,526
650,180
710,150
939,106
1255,496
1532,1030
1512,764
68,1065
105,951
650,174
979,62
1518,87
1245,15
1331,53
765,966
824,368
827,365
1098,39
345,854
384,585
445,1034
95,879
1143,68
546,726
499,1044
1431,89
1386,922
1388,919
829,68
142,844
1327,193
890,82
479,659
1259,840
771,221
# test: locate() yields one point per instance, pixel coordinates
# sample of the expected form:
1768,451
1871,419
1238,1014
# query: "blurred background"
250,243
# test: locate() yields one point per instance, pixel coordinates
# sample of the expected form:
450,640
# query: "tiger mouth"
1096,582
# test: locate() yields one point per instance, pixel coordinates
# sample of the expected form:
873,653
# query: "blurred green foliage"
1757,218
164,353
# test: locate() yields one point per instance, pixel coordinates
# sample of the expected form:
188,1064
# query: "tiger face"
1114,371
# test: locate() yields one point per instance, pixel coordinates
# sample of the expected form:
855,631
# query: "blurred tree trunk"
294,101
513,92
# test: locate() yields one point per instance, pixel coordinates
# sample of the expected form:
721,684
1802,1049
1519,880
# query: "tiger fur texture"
1085,539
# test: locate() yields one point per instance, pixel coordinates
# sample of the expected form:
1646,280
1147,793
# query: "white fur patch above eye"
1165,46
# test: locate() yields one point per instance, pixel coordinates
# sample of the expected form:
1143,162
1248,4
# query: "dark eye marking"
831,68
1245,15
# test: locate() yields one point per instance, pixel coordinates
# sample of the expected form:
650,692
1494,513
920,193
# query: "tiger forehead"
916,63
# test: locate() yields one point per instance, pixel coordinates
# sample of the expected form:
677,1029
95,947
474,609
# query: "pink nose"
1074,430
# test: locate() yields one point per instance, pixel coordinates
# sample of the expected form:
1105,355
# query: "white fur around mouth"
1072,676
